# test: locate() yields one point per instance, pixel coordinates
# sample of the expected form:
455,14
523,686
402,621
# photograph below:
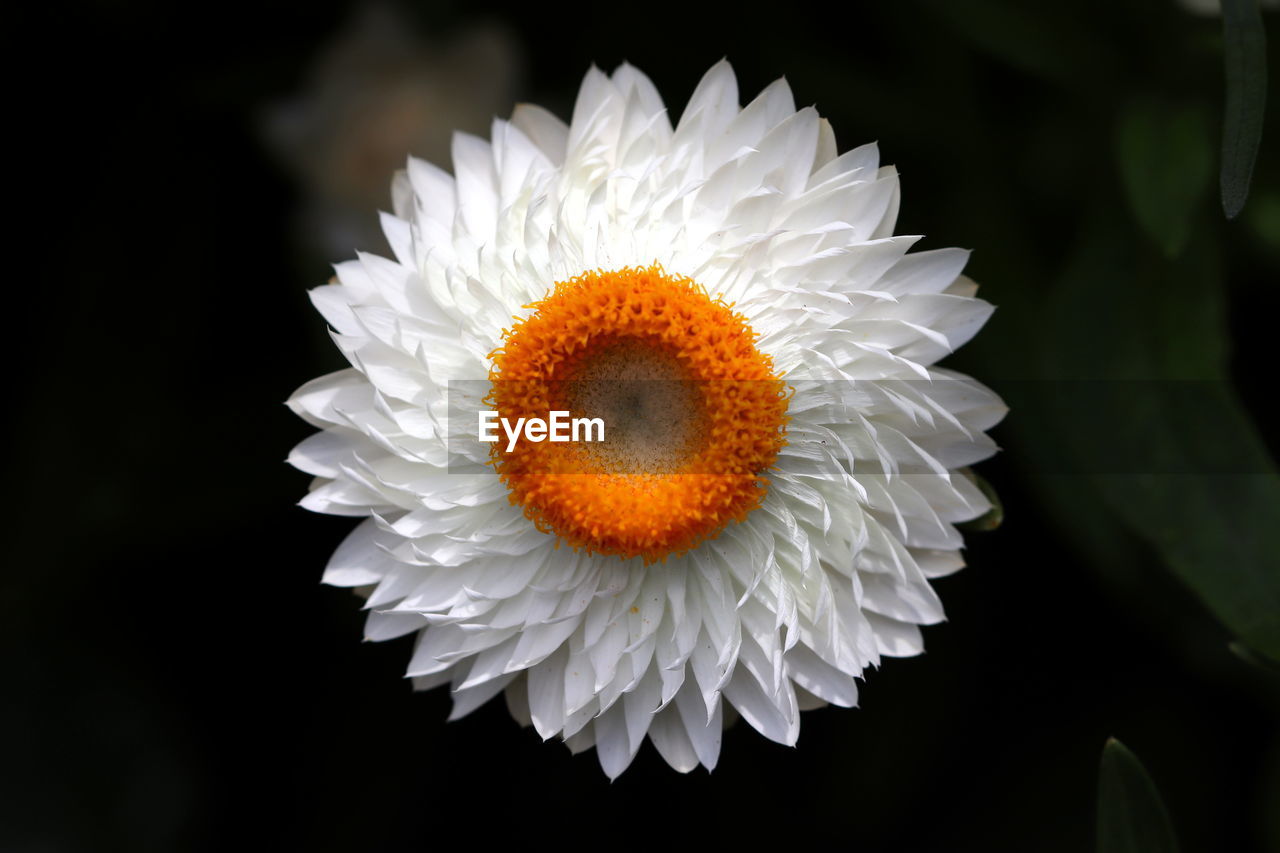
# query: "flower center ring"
694,413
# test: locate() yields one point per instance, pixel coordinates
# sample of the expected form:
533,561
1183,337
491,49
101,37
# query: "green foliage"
1165,164
1151,419
1131,815
992,518
1245,60
1042,40
1251,657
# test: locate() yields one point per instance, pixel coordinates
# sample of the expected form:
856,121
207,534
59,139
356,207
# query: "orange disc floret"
650,493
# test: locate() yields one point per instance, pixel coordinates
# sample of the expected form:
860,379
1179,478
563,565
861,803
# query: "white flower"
735,249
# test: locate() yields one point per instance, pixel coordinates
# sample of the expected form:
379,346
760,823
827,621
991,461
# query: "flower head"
780,477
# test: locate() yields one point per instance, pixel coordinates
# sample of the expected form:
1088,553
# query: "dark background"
177,679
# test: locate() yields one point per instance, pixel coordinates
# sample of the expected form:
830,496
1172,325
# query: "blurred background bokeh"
177,679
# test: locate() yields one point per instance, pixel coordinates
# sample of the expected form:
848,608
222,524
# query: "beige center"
653,413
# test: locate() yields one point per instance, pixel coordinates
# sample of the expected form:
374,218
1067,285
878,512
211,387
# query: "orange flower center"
693,413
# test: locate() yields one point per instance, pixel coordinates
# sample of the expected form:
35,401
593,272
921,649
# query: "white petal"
704,734
477,186
613,747
466,700
549,133
672,740
546,693
357,561
777,722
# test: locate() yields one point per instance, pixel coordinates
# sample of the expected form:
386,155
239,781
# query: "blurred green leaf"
1131,815
1251,657
1264,219
1165,164
1245,59
992,518
1044,40
1214,532
1195,479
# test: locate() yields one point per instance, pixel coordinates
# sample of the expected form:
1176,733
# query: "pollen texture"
693,413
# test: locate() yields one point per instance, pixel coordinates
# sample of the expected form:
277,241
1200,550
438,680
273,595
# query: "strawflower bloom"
783,475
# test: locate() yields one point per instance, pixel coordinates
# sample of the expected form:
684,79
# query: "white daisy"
759,563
